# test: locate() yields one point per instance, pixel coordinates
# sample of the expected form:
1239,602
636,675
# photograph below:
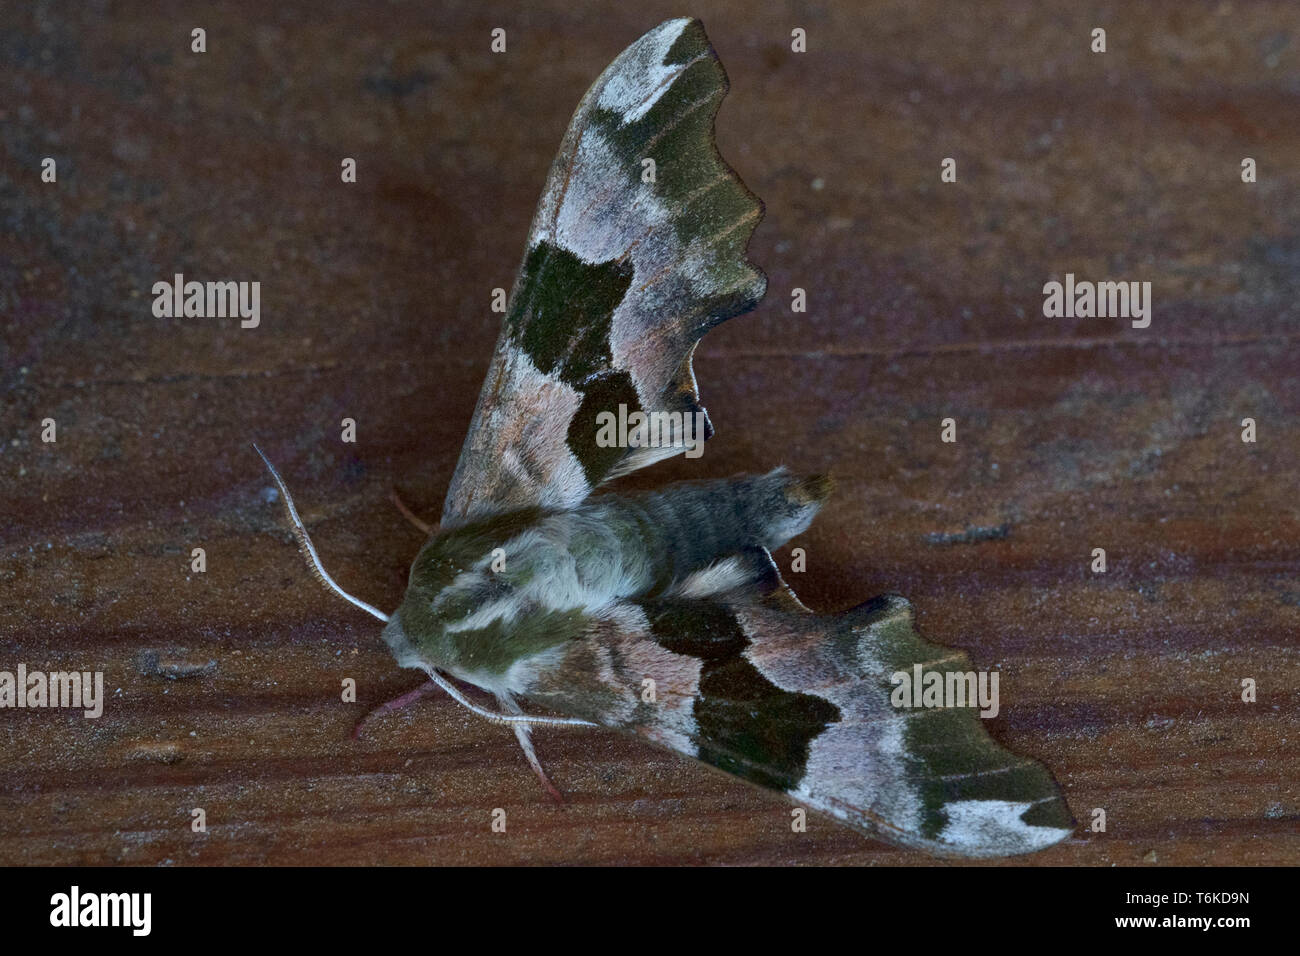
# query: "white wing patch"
995,823
643,69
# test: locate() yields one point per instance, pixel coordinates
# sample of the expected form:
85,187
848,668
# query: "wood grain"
925,302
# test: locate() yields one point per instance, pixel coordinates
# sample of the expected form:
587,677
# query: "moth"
661,612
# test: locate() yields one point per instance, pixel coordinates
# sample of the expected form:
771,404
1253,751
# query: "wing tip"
751,285
993,828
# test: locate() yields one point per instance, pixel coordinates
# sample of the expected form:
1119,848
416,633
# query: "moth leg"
397,703
410,516
523,733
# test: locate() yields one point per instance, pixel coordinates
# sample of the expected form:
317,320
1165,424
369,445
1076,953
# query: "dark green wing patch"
745,724
561,312
560,316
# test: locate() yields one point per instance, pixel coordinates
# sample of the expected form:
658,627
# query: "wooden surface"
924,303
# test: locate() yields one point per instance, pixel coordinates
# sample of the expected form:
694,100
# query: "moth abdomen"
694,524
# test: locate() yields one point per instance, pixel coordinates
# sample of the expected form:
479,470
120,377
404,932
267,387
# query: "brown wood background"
924,302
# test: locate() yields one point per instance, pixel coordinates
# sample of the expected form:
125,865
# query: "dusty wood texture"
924,303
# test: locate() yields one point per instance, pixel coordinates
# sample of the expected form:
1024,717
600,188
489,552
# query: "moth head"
404,650
417,632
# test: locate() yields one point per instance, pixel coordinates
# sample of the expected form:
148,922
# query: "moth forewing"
620,278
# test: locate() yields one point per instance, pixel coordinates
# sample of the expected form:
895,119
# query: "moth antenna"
309,550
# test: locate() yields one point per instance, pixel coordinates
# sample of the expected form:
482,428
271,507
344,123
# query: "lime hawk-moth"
549,595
